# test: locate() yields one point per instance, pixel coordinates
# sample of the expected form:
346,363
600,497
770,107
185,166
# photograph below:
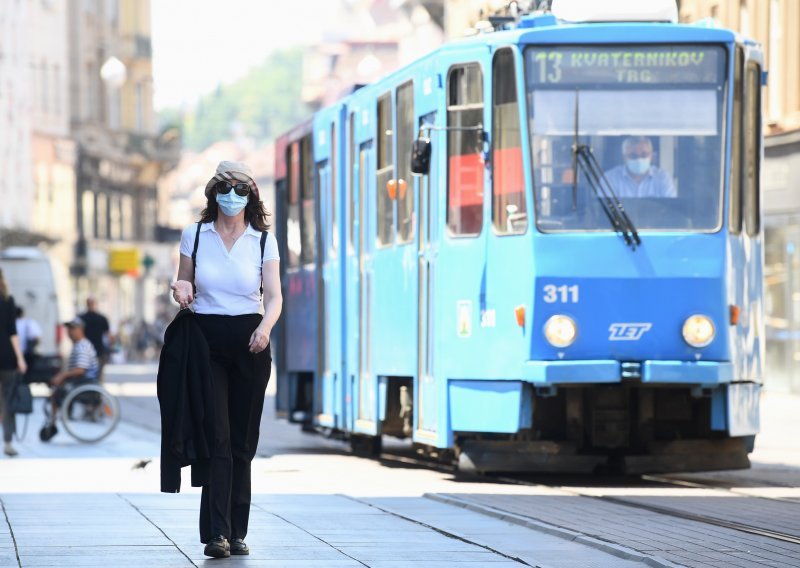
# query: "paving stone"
644,531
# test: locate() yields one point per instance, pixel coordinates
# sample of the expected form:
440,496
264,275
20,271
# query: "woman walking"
235,257
12,361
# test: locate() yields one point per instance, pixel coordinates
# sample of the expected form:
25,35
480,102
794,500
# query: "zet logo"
628,331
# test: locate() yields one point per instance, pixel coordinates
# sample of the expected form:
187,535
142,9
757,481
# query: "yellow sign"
123,261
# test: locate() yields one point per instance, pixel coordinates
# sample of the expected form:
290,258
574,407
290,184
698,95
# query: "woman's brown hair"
254,212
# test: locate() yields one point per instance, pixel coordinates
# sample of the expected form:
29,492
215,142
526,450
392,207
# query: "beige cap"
228,171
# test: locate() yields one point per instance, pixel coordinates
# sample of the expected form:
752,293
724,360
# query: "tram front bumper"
547,373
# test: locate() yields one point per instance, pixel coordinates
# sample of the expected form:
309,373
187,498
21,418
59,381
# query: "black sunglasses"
242,189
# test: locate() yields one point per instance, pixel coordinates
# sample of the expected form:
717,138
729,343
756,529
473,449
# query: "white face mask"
638,166
230,203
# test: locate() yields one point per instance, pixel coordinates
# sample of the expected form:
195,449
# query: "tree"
266,102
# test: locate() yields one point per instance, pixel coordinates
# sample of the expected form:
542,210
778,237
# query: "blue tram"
537,249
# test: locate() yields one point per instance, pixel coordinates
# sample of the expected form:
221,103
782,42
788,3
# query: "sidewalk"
133,530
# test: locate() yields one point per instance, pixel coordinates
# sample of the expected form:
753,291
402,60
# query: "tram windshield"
653,118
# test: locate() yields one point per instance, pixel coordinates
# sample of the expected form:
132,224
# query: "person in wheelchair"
83,366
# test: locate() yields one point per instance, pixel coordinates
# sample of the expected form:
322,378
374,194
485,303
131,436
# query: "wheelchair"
86,410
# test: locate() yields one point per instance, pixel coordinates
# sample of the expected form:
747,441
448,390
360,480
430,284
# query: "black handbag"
21,399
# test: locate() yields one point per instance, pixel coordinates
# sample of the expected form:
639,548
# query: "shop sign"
123,261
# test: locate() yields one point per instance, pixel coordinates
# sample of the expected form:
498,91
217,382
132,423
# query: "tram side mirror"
421,157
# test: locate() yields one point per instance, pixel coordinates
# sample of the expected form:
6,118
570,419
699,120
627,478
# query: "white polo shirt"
228,283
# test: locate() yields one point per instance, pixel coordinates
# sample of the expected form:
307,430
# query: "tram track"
575,491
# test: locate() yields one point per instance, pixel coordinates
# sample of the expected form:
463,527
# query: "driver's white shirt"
656,183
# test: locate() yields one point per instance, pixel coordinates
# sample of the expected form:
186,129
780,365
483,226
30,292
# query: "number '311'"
563,294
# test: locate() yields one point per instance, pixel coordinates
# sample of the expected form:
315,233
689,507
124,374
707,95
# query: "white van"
40,285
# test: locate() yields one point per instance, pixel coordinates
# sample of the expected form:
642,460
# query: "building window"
509,213
464,150
752,150
405,180
45,88
114,218
386,184
126,220
112,11
57,90
101,212
87,211
89,105
139,108
774,53
744,18
308,224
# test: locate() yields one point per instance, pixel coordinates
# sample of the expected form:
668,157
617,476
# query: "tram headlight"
698,330
560,331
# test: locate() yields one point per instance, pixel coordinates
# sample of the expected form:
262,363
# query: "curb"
554,530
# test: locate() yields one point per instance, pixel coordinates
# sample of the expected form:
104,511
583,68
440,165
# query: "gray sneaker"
9,450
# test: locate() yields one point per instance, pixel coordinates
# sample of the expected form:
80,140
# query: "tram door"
327,393
365,389
426,387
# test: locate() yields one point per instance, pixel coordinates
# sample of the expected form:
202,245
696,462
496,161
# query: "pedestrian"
98,332
12,361
29,333
232,260
83,366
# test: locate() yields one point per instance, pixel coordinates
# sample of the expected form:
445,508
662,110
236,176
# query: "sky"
199,44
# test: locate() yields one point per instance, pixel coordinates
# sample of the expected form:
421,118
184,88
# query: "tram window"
293,240
324,182
351,172
735,216
464,150
405,183
308,226
333,197
751,146
655,132
509,214
385,172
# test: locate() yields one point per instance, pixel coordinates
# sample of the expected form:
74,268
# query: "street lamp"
114,74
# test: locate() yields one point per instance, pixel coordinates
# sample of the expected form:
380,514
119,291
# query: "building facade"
52,150
119,158
16,183
776,25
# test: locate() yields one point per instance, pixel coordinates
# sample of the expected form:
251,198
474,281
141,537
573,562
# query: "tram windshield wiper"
583,158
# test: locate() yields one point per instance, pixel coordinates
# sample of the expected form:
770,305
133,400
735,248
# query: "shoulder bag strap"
194,258
263,245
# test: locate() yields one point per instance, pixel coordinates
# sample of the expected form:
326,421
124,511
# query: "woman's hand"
259,340
182,292
22,366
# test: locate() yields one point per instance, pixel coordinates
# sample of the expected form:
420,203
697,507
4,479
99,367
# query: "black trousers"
239,380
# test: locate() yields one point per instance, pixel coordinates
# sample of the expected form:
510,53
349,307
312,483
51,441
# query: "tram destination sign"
623,65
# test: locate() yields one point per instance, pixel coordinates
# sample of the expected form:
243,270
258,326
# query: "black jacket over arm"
184,395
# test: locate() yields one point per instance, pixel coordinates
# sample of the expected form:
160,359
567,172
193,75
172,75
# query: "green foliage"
265,103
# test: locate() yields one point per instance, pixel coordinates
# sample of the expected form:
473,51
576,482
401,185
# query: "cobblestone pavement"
686,542
69,504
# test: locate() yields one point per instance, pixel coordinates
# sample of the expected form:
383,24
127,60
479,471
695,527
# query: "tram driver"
637,176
